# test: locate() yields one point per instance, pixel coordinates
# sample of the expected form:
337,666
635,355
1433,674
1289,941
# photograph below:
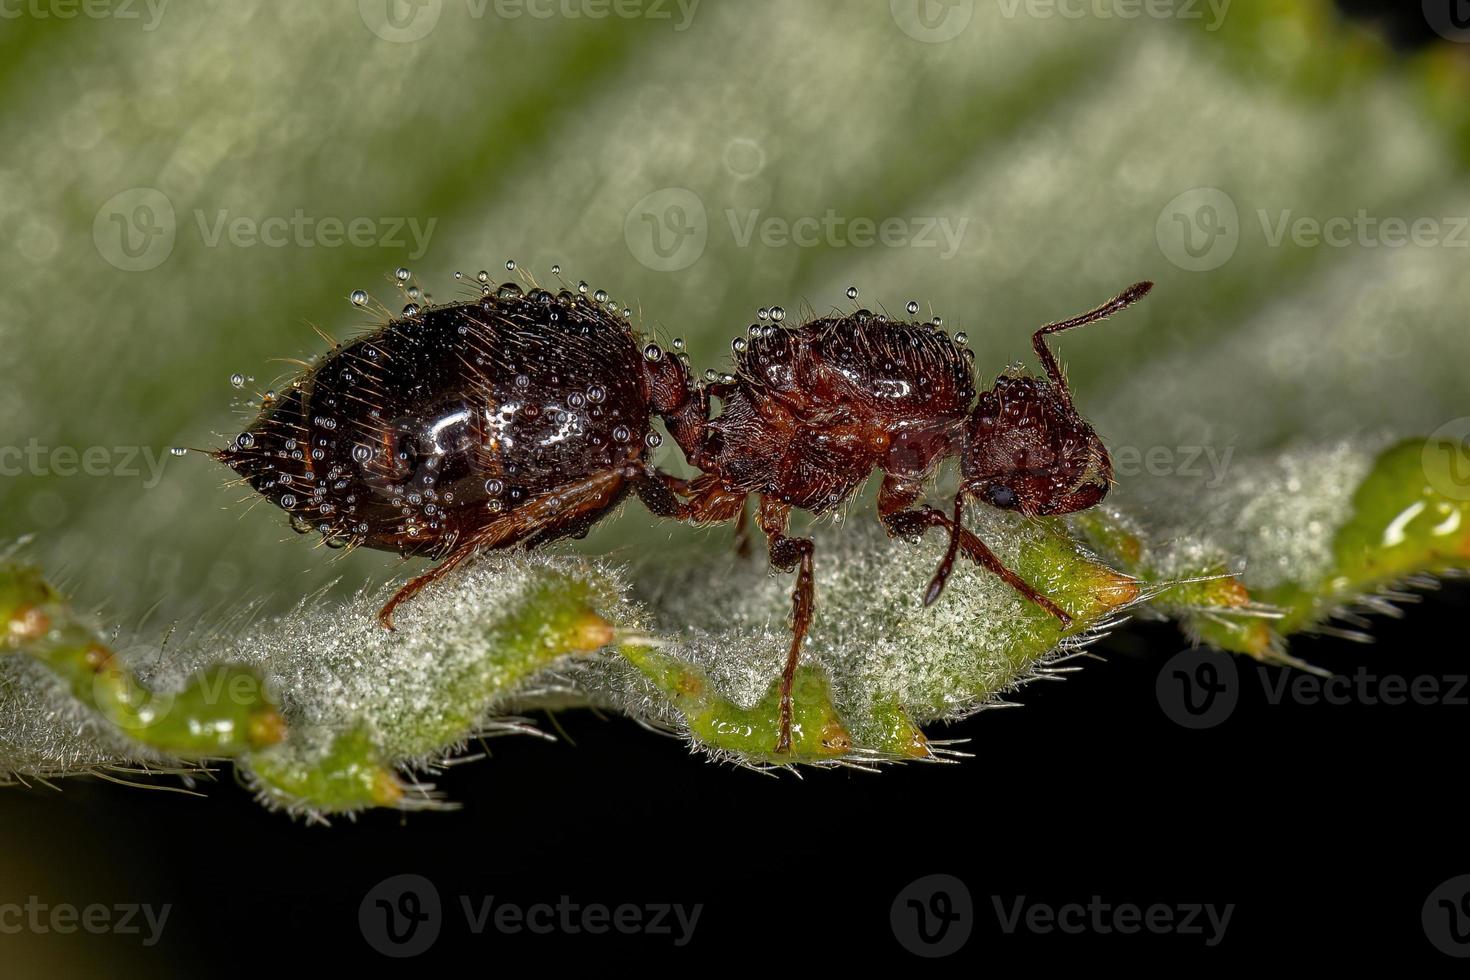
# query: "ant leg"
1126,298
787,554
658,491
742,532
416,584
916,522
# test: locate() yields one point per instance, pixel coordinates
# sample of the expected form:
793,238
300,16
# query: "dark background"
1325,825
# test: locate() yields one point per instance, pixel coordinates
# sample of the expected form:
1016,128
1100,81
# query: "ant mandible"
811,411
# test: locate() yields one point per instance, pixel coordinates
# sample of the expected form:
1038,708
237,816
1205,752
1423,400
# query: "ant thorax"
812,410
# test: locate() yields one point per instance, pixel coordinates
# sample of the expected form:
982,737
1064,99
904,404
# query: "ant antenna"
1123,300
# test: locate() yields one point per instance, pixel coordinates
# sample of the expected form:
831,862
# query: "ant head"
1027,450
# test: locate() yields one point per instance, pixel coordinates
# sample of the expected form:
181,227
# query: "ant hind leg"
788,554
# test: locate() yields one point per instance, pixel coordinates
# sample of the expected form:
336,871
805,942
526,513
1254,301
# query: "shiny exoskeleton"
811,411
514,419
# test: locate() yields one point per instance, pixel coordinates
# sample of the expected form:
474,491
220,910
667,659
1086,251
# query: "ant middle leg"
788,554
893,500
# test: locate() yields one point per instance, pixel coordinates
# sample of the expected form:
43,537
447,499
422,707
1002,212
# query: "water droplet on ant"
852,292
556,270
621,433
411,310
653,352
762,313
738,345
582,287
653,440
359,297
509,290
362,453
600,296
483,276
178,450
913,307
245,440
596,394
961,339
710,375
510,265
288,500
778,314
678,343
237,380
938,321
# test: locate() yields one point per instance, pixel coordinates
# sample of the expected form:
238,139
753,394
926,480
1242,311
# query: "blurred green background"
179,183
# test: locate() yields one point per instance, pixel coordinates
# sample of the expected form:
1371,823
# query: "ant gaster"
811,411
510,420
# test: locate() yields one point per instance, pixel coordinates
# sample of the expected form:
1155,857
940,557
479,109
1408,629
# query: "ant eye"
1001,496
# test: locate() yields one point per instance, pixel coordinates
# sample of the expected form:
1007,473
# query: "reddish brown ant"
518,419
811,411
515,419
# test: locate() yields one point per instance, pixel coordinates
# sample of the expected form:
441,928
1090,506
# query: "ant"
811,411
521,418
514,419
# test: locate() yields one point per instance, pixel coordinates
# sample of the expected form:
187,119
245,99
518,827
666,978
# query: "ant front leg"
788,554
913,523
